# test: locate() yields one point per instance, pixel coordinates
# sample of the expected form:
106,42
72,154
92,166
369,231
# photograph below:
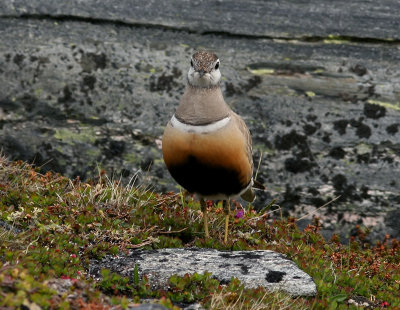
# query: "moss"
262,71
71,136
310,94
334,39
93,153
338,39
363,148
38,92
388,105
318,71
131,158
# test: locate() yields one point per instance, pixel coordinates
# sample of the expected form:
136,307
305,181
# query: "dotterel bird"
206,146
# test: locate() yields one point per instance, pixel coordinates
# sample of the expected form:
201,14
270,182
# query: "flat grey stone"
148,307
149,304
267,269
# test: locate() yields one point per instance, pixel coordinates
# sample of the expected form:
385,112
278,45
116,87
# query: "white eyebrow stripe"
200,128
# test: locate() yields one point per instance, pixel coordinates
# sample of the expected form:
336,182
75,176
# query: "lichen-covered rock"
267,269
88,85
283,19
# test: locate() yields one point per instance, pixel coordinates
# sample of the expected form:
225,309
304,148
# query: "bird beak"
201,72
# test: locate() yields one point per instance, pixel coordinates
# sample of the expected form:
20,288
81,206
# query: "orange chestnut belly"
210,164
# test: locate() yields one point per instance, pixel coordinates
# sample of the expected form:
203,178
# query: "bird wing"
246,133
249,195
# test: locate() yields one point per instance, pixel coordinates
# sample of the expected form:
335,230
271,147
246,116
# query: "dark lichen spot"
337,152
309,129
339,182
67,95
252,82
88,82
162,83
274,276
340,126
18,59
393,129
348,97
311,117
358,69
224,255
288,123
115,148
244,268
326,137
287,141
363,131
374,111
363,158
343,189
249,255
388,159
231,89
297,165
364,192
9,105
291,197
91,62
176,72
317,201
324,178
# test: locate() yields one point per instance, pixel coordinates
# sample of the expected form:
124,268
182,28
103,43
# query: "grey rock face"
267,269
275,19
91,84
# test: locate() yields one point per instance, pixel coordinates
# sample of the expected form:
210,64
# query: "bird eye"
191,62
216,66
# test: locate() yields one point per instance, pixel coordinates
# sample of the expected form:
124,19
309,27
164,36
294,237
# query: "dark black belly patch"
206,180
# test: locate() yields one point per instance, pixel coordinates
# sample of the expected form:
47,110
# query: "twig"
268,213
259,164
136,246
173,231
312,212
27,248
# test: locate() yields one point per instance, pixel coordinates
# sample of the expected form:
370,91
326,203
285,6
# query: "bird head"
204,70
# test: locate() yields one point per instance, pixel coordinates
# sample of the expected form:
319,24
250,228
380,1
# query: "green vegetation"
50,228
388,105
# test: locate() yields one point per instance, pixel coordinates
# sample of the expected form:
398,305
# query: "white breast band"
200,128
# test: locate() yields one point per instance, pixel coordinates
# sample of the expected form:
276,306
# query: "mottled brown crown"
203,60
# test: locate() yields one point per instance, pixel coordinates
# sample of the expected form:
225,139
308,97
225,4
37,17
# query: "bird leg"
205,216
227,208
